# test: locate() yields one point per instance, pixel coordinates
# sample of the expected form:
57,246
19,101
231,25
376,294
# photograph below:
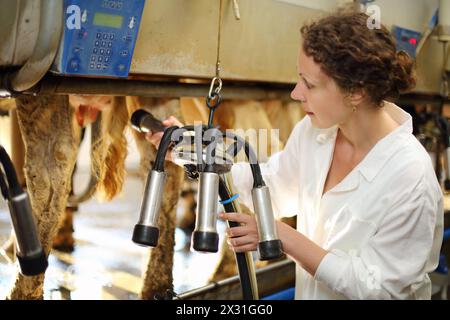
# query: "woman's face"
322,100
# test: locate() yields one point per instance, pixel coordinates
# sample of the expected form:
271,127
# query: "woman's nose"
297,94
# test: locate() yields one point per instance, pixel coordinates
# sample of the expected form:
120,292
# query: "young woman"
368,204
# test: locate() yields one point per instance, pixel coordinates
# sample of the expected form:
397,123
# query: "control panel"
407,40
99,37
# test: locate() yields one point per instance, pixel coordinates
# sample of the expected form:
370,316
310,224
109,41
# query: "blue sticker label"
99,37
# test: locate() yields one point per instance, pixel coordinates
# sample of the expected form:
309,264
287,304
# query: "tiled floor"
106,264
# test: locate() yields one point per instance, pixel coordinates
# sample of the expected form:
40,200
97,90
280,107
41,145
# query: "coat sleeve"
395,262
280,174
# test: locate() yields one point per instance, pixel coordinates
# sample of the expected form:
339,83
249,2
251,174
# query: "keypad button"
103,43
92,66
109,44
74,64
82,33
107,59
102,51
95,51
111,36
97,43
100,59
99,35
108,52
92,58
105,36
99,66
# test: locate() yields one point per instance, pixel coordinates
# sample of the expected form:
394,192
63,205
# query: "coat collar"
386,147
377,157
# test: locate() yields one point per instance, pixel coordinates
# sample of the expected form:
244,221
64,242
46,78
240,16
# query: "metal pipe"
267,230
283,271
205,237
50,30
57,85
60,85
146,231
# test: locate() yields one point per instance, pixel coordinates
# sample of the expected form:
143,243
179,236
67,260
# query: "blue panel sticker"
407,40
99,37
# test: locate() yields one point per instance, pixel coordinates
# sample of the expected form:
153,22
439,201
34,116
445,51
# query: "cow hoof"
64,240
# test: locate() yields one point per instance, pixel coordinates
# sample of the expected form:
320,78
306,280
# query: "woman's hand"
155,138
245,237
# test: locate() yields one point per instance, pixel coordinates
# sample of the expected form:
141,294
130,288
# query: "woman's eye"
307,84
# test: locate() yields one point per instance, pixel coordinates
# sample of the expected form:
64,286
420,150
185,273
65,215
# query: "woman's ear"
356,96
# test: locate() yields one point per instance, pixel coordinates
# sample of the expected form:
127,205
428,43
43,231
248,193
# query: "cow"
51,129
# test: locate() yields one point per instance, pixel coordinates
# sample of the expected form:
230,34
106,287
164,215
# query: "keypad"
102,51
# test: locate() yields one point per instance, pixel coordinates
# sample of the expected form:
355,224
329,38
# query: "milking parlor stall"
92,209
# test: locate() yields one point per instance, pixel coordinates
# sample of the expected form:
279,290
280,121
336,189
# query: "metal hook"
213,101
237,13
217,90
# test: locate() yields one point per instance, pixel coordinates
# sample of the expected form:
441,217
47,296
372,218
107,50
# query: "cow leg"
51,145
158,275
64,240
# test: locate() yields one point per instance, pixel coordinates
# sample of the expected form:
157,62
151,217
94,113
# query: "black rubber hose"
164,146
251,156
3,186
243,267
11,176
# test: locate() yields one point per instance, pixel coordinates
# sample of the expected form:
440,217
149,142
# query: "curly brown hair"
357,57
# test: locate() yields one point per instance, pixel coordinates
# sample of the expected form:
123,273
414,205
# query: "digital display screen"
108,20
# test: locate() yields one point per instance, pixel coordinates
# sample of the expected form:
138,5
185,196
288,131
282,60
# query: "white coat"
382,224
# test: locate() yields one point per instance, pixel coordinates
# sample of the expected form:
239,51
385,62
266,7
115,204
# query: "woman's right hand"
155,138
244,237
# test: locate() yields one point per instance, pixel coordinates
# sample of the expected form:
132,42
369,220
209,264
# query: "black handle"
33,266
144,121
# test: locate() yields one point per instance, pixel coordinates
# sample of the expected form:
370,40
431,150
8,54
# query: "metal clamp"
217,89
